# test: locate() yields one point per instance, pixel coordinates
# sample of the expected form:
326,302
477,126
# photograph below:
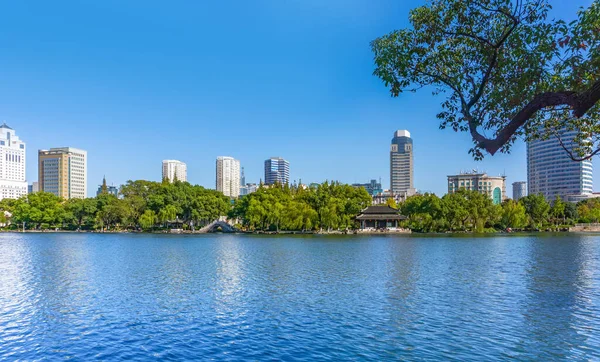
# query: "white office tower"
13,183
552,173
228,176
173,169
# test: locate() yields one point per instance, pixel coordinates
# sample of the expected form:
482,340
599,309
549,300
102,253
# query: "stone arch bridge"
217,226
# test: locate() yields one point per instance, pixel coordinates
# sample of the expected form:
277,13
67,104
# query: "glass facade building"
551,172
277,170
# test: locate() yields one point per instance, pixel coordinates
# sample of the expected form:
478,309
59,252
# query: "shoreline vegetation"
327,208
351,233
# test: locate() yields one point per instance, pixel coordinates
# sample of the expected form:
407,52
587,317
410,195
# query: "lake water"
241,298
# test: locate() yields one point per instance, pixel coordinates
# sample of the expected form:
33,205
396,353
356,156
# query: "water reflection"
139,297
560,298
16,294
229,259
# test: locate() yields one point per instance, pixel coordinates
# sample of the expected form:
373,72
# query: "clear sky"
135,82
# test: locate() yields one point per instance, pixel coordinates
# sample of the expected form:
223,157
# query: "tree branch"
580,103
492,63
570,153
467,35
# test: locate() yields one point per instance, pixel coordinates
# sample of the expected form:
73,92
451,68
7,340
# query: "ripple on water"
232,298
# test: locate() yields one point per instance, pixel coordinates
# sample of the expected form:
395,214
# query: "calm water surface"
240,298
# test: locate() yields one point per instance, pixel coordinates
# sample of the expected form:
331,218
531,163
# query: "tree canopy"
142,204
329,206
505,68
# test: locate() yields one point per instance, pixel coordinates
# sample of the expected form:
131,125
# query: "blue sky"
137,82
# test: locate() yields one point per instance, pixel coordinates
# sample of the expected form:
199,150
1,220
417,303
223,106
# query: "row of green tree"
328,206
141,205
149,205
468,210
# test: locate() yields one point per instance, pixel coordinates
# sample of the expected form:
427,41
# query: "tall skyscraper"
519,190
172,169
552,173
277,170
401,163
12,164
228,176
63,172
243,179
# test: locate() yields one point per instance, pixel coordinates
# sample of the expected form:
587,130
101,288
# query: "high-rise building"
494,187
373,187
228,176
401,163
551,172
519,190
13,183
277,170
63,172
243,178
174,170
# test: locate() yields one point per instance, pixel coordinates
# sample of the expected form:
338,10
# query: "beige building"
494,187
63,172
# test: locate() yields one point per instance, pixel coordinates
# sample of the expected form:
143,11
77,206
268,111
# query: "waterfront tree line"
144,205
330,206
471,211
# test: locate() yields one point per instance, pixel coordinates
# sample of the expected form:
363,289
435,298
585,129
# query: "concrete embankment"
585,228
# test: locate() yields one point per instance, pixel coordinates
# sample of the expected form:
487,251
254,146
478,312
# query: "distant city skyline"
105,95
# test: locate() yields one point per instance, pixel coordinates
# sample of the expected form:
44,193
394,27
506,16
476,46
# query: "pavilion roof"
380,213
379,210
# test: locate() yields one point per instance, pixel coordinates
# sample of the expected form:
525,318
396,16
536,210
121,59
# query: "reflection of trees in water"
559,317
402,303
